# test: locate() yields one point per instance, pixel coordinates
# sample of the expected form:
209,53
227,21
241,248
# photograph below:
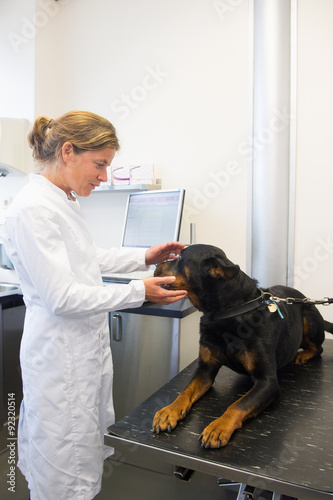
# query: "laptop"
151,217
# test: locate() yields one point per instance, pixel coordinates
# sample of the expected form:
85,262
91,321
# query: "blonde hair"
84,130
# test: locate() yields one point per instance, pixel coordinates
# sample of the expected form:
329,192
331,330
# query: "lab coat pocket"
88,368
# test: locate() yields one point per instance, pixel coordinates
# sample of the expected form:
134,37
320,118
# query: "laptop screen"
153,217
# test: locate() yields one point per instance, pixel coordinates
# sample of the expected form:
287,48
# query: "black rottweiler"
243,328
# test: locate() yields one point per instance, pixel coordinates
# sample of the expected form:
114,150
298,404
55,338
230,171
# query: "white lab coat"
65,351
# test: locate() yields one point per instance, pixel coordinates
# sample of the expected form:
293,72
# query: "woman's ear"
67,151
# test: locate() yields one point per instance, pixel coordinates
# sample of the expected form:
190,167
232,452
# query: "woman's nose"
103,175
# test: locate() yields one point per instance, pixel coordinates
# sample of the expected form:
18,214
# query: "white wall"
314,222
173,78
17,56
190,120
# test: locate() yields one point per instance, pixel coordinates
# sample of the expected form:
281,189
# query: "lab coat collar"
44,181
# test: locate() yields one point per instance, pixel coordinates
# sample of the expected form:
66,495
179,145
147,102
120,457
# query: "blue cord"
267,302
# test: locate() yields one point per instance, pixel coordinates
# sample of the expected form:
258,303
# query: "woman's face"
82,172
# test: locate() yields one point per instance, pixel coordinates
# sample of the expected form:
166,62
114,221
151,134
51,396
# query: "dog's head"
205,272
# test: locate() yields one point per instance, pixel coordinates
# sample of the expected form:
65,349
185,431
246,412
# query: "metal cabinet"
150,345
12,313
145,352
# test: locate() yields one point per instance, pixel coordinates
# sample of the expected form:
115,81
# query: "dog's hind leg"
313,336
306,354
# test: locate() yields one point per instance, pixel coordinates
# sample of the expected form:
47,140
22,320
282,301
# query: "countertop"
287,448
179,309
11,300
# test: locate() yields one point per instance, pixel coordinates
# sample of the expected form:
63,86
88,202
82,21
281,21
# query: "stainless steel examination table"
285,452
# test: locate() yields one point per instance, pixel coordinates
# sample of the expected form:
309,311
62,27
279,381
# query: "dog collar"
265,298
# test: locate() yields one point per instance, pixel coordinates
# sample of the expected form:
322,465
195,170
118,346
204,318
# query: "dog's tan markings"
207,356
194,299
163,269
248,360
215,272
303,357
219,432
310,350
168,417
218,272
179,282
182,284
187,272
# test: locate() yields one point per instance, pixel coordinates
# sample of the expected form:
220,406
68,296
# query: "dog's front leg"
167,418
219,432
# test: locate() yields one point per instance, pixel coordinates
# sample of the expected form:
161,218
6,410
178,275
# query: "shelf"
127,187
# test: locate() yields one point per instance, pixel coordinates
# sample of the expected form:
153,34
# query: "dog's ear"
217,268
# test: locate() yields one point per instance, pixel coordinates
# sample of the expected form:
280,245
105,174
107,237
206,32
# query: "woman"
65,353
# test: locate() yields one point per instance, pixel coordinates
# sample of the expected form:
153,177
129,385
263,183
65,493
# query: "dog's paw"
299,359
303,356
216,434
167,418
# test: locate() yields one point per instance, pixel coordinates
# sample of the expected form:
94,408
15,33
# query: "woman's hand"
155,292
162,252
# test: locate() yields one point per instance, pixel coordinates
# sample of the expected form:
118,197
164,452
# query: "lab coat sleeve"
38,249
122,260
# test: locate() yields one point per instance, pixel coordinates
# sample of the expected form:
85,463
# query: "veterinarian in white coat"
65,352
